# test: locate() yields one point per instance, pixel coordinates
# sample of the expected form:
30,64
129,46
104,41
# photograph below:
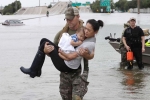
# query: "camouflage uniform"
123,50
73,86
123,56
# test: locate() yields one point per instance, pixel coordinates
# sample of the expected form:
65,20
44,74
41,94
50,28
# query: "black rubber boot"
141,66
130,65
35,69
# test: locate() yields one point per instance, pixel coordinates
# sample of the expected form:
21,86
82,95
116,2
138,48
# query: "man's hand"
128,48
48,48
143,49
83,52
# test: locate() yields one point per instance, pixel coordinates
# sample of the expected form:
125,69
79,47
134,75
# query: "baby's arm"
75,43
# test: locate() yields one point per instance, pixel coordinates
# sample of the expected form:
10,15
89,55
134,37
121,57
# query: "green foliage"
96,8
145,3
49,6
12,8
124,5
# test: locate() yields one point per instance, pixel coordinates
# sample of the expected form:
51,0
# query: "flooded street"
108,81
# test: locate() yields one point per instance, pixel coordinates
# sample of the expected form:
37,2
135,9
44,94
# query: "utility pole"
16,5
39,3
138,6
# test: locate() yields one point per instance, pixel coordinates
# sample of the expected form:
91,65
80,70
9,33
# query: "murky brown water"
18,45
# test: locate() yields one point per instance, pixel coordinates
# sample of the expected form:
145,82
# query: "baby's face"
80,36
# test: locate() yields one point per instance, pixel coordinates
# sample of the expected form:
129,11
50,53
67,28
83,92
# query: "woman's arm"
69,56
82,52
75,43
63,57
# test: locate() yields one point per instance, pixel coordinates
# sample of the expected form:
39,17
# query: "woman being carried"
65,62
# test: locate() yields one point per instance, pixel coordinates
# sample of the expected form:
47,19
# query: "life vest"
133,38
147,43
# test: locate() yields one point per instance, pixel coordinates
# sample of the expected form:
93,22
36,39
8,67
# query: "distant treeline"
12,8
122,5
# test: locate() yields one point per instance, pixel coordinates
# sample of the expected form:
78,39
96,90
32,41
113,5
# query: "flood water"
108,81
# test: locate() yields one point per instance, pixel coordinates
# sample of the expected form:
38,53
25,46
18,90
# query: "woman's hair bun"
101,23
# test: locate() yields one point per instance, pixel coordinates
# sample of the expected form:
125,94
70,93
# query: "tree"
95,6
11,8
49,6
121,5
125,5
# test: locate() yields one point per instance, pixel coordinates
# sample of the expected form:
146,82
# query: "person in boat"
73,85
122,47
134,40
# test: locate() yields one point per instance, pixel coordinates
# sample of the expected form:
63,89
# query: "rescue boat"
114,42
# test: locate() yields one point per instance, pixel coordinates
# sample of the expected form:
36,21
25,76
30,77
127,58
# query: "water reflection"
133,80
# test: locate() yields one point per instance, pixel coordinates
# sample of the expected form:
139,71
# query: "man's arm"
142,40
122,34
56,39
124,41
125,44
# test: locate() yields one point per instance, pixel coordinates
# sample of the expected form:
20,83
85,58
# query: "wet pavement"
108,81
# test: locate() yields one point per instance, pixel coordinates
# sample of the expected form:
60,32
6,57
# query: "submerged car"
13,22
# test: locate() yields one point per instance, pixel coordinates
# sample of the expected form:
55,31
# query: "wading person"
134,40
73,85
47,13
122,47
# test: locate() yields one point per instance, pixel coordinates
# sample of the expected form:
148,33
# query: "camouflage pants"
123,55
73,86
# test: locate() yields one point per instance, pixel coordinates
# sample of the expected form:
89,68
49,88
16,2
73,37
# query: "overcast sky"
32,3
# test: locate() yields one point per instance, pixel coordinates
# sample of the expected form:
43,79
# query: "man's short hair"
71,12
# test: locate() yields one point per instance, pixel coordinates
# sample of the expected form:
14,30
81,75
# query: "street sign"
104,2
108,8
